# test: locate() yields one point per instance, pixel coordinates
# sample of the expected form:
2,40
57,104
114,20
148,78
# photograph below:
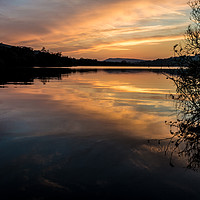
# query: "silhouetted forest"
17,56
13,56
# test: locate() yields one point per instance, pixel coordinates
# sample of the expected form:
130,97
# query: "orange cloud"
76,27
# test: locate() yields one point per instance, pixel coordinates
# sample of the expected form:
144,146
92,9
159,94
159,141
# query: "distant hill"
128,60
20,56
172,61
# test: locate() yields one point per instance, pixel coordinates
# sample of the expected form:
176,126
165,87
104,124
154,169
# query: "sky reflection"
86,135
135,104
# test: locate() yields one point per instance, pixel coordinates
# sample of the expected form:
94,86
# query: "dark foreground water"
84,133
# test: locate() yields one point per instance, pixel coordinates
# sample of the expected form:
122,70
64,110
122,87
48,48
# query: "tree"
193,31
191,45
185,131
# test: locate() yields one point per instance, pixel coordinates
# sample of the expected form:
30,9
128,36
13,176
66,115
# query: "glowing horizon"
145,29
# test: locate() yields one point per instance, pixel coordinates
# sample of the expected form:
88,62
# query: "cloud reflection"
124,106
80,132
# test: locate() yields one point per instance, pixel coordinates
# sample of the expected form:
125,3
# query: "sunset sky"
143,29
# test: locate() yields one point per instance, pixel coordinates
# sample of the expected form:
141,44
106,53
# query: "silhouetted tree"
185,131
189,51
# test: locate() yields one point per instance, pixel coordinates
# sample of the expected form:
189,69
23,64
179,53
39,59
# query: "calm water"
84,133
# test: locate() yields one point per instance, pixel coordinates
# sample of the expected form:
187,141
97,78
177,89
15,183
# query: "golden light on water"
126,102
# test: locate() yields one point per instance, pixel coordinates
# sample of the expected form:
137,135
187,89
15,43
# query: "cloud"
82,24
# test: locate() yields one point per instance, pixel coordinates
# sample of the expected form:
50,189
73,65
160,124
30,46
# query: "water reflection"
186,129
84,134
26,76
120,101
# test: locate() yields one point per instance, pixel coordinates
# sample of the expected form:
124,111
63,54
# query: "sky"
142,29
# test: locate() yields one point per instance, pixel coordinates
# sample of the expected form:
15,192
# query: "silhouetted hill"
124,60
19,56
173,61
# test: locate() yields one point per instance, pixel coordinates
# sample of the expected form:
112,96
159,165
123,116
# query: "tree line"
17,56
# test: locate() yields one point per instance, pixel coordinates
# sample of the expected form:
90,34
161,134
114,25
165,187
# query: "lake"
89,133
